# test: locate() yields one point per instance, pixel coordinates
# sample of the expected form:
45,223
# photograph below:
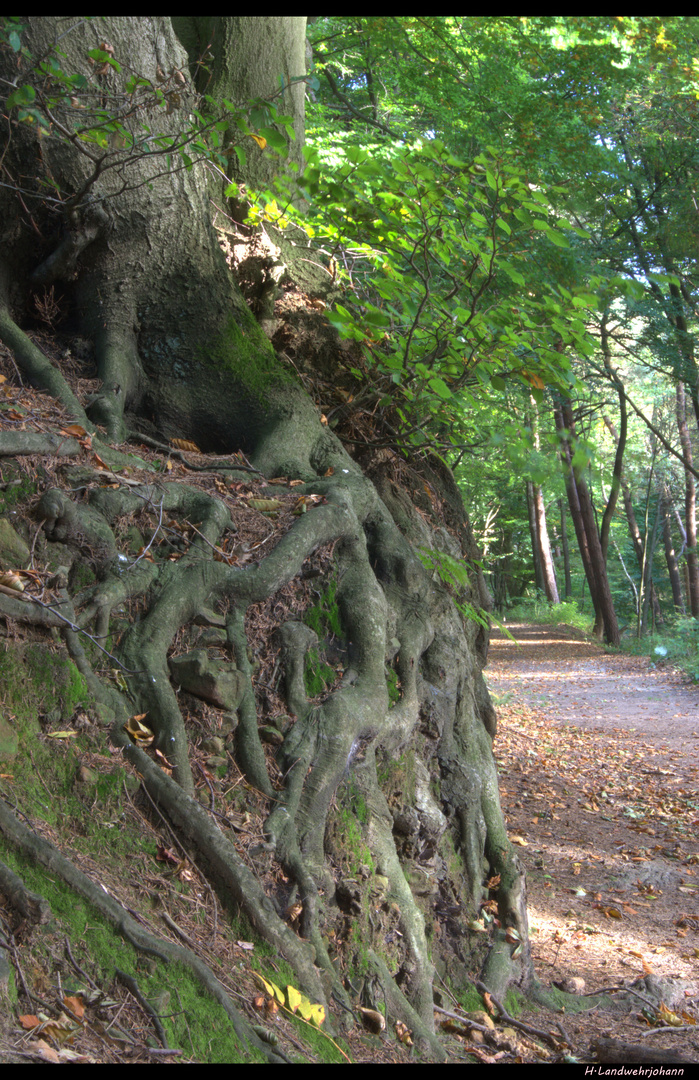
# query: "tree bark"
566,550
670,556
690,503
586,529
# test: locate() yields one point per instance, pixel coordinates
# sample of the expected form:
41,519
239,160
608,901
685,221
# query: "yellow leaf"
668,1017
315,1014
265,506
62,734
261,142
272,989
519,840
186,444
137,731
533,380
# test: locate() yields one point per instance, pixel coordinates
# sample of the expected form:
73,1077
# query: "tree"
105,198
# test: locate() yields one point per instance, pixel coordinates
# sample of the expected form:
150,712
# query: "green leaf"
23,95
440,388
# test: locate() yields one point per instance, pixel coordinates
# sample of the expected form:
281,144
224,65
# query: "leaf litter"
600,788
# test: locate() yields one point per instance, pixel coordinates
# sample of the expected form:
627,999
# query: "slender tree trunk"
545,557
648,592
690,503
582,513
534,534
566,549
540,536
670,557
634,532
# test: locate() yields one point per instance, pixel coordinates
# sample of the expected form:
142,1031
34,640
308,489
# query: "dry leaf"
76,1006
12,580
266,506
137,731
403,1033
373,1021
185,444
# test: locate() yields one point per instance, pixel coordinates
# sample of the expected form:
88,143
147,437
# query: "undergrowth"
541,611
676,645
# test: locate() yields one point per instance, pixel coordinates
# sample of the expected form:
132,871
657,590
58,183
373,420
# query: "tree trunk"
634,531
690,504
534,535
541,545
586,530
670,556
566,550
180,354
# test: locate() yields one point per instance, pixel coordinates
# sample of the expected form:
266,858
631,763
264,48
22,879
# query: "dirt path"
599,759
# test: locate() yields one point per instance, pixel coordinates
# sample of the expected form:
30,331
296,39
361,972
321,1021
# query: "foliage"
116,129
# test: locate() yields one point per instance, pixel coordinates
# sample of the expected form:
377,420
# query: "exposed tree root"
399,627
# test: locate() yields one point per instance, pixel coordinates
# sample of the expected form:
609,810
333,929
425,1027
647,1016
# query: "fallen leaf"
137,731
186,444
12,580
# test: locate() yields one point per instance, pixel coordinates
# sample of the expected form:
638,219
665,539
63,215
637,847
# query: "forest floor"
599,760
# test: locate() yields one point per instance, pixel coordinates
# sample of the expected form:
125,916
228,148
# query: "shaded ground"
599,757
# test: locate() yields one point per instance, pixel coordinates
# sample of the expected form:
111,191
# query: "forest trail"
599,762
577,681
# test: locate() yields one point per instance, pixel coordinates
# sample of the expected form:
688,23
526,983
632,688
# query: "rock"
213,745
212,680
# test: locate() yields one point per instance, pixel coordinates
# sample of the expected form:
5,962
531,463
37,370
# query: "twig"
464,1020
526,1028
132,986
179,454
666,1030
181,933
76,965
155,533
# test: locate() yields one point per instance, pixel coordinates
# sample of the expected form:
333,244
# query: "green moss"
193,1021
324,617
248,355
318,675
394,694
16,494
397,777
